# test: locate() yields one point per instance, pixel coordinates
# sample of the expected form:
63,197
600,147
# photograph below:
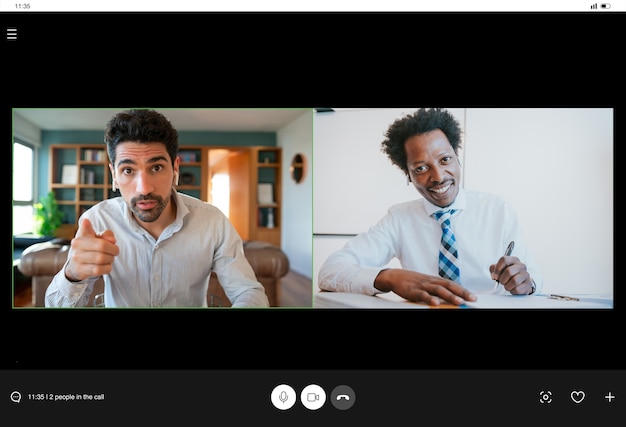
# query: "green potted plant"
48,215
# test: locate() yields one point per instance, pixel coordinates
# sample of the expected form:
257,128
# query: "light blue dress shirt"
483,227
171,271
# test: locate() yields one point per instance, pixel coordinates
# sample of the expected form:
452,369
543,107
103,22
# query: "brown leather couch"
42,261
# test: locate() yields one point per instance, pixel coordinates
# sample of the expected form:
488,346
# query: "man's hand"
91,254
512,274
419,287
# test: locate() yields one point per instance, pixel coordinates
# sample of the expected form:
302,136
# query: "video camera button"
313,397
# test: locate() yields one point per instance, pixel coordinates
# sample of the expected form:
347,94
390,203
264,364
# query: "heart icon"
578,396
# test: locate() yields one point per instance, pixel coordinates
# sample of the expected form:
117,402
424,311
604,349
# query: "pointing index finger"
85,229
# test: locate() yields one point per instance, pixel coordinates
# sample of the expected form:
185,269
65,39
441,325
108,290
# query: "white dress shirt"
483,227
171,271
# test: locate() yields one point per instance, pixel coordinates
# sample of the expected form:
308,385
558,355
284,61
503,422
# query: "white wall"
297,198
554,165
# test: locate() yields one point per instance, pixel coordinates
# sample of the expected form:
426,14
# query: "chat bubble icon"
16,396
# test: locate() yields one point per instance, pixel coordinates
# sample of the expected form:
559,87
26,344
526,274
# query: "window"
220,192
23,187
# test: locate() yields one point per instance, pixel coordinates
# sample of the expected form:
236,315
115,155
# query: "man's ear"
113,180
176,168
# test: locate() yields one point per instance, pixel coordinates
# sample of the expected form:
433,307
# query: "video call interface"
318,355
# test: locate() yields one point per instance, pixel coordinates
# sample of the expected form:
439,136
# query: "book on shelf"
69,174
88,194
266,218
87,176
266,193
94,155
187,156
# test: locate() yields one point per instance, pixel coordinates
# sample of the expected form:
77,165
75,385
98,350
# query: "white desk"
393,301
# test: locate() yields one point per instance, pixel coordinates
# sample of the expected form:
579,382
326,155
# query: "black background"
314,60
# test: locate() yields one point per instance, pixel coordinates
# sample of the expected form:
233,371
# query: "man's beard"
154,213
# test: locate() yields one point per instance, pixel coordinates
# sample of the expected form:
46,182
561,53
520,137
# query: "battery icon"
605,5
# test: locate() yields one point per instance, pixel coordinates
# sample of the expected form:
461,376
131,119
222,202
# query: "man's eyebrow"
125,161
151,160
417,162
157,159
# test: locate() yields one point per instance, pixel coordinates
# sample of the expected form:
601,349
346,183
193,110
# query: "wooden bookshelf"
87,181
80,178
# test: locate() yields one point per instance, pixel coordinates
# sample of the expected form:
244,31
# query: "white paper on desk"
350,300
540,301
391,300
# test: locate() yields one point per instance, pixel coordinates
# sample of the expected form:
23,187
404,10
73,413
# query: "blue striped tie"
448,255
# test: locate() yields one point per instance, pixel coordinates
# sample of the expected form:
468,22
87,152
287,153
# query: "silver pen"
508,252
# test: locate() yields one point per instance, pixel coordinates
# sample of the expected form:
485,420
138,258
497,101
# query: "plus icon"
610,397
